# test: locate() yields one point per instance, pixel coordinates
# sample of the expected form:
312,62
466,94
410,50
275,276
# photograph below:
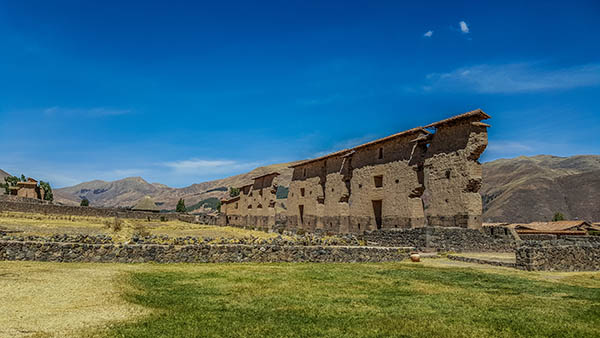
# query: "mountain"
522,189
526,189
3,174
128,191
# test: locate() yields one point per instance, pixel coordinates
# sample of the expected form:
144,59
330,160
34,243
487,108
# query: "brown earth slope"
521,189
526,189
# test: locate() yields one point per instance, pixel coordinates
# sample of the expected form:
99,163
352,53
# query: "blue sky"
182,92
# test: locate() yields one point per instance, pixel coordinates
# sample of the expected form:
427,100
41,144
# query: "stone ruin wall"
7,204
427,180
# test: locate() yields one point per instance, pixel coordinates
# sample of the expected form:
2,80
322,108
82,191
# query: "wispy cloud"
428,34
514,78
509,147
463,27
87,112
207,166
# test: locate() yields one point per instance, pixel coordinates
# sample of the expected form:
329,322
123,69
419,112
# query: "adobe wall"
453,175
411,179
122,253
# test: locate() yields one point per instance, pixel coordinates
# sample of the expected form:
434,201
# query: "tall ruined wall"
386,176
453,175
407,180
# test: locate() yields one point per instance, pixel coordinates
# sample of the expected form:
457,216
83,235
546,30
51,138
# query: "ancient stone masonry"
123,253
426,176
559,255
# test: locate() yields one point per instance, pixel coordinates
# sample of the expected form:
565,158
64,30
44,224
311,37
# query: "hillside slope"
3,174
526,189
126,192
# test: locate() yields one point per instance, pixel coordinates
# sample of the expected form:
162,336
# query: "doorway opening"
301,209
377,210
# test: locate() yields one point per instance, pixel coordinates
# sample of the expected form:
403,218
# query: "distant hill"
526,189
521,189
3,174
126,192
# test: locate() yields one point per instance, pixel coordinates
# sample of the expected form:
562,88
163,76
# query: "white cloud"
428,34
463,27
514,78
504,147
87,112
204,167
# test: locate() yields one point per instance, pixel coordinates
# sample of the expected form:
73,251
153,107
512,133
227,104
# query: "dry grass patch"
120,229
57,299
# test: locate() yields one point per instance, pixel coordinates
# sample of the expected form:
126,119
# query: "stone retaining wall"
77,252
498,239
560,255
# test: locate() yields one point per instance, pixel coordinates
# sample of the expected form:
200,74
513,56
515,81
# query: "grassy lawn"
360,300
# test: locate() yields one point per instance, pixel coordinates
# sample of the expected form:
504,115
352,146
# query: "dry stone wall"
121,253
559,255
46,208
447,239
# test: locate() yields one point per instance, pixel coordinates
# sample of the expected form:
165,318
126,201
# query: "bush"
558,217
84,203
233,192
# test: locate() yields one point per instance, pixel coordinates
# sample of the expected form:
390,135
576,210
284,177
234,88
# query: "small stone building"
27,189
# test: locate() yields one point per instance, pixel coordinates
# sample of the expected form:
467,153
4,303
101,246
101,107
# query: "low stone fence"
56,209
482,261
560,255
122,253
497,239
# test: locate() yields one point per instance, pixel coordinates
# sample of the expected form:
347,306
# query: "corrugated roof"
475,113
345,151
551,226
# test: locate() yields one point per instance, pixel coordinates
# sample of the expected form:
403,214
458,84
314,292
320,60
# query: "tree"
180,206
23,179
48,195
558,217
84,203
11,181
234,192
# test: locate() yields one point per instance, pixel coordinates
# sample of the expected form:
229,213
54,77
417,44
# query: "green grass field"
435,298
